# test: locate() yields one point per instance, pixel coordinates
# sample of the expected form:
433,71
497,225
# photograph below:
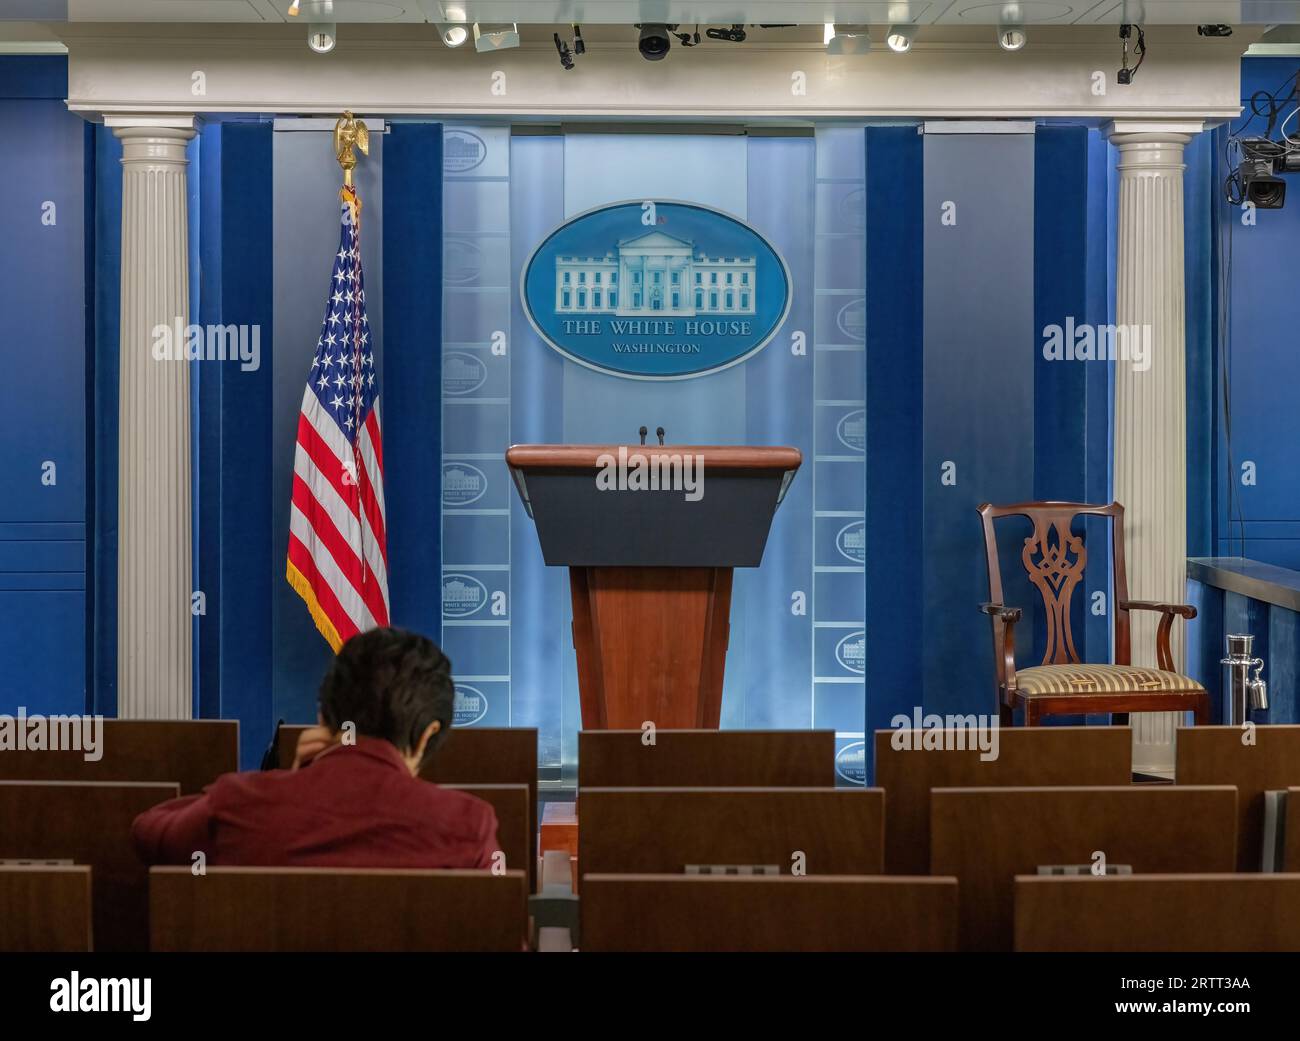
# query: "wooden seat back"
88,823
706,759
511,805
819,831
986,836
1026,757
331,909
1210,912
1254,761
818,913
45,907
191,752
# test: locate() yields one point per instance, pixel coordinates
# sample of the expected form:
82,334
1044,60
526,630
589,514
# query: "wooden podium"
650,559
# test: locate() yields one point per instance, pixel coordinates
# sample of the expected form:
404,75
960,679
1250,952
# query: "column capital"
163,122
1123,132
152,141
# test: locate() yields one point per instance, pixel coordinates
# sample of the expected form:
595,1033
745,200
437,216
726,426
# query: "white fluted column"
154,572
1150,465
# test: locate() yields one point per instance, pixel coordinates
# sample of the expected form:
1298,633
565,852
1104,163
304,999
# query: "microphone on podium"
660,432
643,432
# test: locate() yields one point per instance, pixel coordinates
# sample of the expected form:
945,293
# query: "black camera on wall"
1262,159
654,41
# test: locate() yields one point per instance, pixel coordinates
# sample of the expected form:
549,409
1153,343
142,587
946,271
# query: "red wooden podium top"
716,457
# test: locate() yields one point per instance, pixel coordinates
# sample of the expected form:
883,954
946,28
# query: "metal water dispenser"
1246,694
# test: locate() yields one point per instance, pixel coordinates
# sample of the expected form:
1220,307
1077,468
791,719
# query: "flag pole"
351,412
351,133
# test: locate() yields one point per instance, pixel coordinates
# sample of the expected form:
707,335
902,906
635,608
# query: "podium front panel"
580,525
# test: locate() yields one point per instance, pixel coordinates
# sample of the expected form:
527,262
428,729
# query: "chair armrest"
1010,615
1164,657
1004,642
1182,610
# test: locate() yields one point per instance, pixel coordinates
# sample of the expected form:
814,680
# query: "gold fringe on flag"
303,588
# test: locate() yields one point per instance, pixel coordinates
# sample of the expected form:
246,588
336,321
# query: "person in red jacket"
352,798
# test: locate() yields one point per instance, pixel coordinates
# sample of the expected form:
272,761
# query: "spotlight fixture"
293,9
899,38
566,56
654,41
579,44
1126,74
1214,30
321,37
495,37
846,39
453,35
736,34
1012,37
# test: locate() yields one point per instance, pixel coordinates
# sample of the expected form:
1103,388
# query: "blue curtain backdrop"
1256,370
258,658
795,657
46,225
998,236
402,253
1263,367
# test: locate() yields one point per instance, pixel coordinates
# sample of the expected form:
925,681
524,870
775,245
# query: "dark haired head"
392,684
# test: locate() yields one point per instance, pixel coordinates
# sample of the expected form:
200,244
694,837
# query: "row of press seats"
56,805
48,908
976,840
1054,798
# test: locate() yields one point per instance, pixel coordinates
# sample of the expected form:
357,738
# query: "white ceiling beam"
406,71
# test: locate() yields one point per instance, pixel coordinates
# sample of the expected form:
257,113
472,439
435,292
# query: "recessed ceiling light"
321,37
1012,37
900,37
453,35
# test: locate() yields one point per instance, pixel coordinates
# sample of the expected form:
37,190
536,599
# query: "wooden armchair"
1054,558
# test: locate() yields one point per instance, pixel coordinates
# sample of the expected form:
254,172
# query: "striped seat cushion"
1066,680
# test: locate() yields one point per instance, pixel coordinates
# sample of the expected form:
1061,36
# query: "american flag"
338,551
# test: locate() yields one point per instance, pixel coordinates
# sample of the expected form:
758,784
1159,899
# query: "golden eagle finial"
350,132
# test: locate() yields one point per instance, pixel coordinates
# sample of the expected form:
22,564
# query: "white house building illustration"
854,430
461,482
852,653
461,596
654,274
